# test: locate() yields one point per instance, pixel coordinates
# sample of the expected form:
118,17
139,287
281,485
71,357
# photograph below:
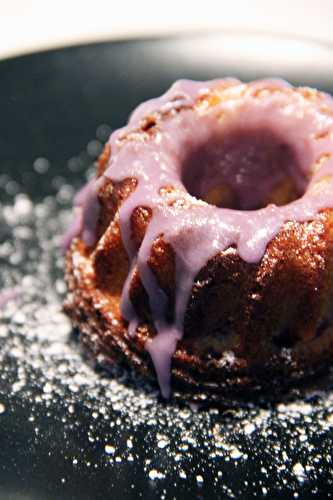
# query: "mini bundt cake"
203,249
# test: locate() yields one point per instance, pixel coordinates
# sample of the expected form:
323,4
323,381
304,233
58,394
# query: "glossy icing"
86,209
215,122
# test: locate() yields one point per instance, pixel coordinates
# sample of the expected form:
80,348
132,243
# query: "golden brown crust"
103,160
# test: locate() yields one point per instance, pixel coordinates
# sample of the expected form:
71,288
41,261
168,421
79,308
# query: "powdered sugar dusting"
113,425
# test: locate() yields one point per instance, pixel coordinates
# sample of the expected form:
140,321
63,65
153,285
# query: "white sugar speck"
235,453
299,472
23,206
155,474
47,389
249,428
162,443
109,449
41,165
199,479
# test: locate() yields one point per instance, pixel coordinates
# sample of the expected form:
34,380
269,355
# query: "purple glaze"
86,208
8,295
199,232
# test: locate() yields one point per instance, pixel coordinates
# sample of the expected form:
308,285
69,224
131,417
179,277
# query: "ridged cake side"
246,325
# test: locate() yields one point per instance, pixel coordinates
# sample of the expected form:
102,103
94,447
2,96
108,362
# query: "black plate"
68,431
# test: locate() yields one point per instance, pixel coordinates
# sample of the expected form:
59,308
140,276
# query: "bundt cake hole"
244,170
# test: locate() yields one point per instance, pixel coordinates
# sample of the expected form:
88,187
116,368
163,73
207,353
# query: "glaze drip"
84,224
197,117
